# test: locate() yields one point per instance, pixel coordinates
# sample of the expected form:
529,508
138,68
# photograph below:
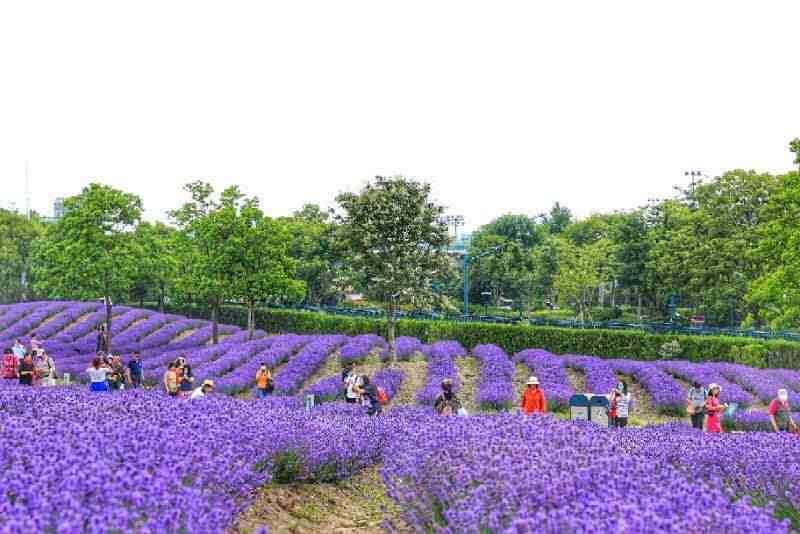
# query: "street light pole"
467,260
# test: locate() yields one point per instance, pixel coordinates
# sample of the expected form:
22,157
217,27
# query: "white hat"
783,394
714,385
533,380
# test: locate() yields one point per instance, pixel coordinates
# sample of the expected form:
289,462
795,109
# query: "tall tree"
90,252
209,246
582,270
395,232
264,268
18,235
158,264
794,147
558,219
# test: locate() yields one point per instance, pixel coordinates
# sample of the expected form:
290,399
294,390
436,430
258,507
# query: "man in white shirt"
19,349
202,391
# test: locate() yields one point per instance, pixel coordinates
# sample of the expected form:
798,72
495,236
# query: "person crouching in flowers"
27,371
202,391
714,409
186,382
10,365
533,398
368,394
446,402
620,406
780,413
97,375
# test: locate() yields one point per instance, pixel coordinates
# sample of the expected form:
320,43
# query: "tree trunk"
108,323
639,304
161,299
613,294
251,319
215,322
390,335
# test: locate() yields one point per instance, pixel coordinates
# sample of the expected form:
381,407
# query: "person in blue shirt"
135,370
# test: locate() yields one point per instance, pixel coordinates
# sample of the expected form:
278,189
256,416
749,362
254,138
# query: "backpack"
383,398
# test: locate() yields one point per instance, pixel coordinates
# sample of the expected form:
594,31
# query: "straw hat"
209,383
533,381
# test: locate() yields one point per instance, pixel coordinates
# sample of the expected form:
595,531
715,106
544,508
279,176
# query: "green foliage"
670,349
17,237
514,338
91,251
396,236
286,467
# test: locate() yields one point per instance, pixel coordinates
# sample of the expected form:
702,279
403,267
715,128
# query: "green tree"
90,252
558,219
581,271
264,268
18,235
209,246
394,231
794,147
158,264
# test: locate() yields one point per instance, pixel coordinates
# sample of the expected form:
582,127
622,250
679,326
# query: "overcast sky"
502,106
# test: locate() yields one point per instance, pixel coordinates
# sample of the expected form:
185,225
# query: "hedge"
514,338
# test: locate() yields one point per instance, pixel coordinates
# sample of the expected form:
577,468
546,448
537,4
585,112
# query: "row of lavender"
446,474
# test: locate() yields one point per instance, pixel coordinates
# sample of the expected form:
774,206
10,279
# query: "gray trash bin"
598,409
579,407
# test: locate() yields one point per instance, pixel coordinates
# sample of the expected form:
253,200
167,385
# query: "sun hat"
209,383
783,393
533,380
714,385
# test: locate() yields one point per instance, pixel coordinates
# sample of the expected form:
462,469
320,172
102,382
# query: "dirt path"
183,335
577,380
330,367
521,375
356,504
469,372
416,372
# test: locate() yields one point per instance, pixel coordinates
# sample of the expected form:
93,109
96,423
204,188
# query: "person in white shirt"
621,402
202,391
97,376
18,349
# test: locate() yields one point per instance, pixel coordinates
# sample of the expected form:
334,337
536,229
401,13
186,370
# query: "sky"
503,106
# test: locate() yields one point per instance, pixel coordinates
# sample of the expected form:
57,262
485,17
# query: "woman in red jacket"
533,398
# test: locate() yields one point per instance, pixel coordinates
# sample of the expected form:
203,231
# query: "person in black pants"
695,405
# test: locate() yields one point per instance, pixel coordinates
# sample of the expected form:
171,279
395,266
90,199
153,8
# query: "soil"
183,335
576,379
469,371
416,371
356,504
330,367
521,375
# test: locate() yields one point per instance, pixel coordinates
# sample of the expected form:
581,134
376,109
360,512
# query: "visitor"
116,377
27,370
186,381
45,368
695,404
369,396
135,370
98,375
263,381
352,383
780,413
446,402
171,380
620,404
533,398
10,365
180,364
202,391
19,350
714,409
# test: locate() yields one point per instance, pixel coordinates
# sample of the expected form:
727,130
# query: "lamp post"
455,221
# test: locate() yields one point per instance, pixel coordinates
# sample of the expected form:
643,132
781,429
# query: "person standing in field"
98,374
171,381
27,371
369,396
187,381
263,381
780,413
10,365
714,409
695,405
620,404
19,350
135,370
45,368
533,400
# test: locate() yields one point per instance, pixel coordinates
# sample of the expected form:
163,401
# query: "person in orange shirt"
533,398
263,380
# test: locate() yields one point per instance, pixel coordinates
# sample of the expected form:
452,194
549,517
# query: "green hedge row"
605,343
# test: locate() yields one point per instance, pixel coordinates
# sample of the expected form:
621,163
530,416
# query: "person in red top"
714,409
780,414
10,364
533,398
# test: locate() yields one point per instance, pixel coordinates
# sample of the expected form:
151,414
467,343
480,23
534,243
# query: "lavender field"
74,461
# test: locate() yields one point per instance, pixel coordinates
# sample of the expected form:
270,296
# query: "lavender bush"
496,387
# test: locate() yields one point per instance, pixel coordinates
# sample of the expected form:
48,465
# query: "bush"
514,338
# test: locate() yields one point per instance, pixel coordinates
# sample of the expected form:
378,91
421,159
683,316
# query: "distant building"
58,208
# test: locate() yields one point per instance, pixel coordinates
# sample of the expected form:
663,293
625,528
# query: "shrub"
514,338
